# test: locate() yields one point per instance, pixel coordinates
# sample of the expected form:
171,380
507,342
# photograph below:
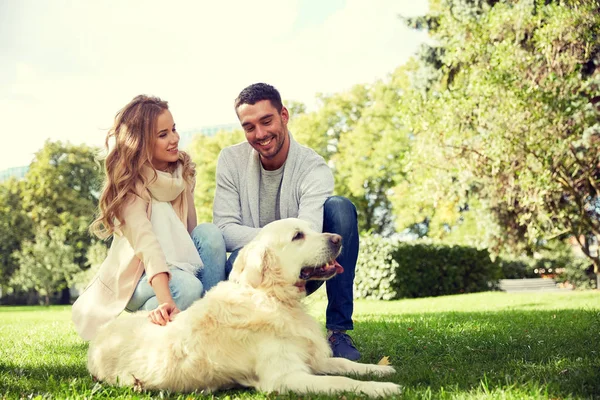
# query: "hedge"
388,269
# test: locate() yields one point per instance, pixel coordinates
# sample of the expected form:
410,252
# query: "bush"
376,270
578,274
388,269
556,260
516,268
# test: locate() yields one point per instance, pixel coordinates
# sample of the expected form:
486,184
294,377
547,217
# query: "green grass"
486,345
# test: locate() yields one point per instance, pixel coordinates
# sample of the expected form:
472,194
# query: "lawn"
485,345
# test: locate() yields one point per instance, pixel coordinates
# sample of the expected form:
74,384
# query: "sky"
67,67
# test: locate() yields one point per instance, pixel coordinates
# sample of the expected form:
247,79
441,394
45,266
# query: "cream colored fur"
250,331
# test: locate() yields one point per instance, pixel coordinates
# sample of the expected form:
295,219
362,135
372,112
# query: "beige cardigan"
134,249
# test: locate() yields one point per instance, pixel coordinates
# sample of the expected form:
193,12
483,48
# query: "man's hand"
163,313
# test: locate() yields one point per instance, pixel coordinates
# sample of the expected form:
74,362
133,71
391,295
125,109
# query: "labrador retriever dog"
251,331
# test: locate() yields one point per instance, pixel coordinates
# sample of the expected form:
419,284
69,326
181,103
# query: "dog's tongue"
338,268
326,270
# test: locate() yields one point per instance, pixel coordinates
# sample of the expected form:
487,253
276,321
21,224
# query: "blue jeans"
339,217
185,287
211,247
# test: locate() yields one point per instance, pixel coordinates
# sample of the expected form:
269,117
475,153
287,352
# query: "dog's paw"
382,370
380,389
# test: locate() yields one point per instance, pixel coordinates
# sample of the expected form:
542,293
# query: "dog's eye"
298,236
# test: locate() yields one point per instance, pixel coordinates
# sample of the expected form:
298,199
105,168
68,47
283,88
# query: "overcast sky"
66,67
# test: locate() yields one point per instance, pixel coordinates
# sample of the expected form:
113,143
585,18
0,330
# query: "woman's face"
167,140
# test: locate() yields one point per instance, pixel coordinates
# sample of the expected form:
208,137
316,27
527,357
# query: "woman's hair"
134,134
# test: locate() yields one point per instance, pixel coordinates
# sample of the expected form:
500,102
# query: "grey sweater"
307,183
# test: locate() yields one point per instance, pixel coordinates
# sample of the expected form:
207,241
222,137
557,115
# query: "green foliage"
322,130
204,151
360,135
96,254
571,269
62,178
388,269
516,267
513,119
15,227
376,275
47,264
61,189
56,200
371,157
434,270
578,275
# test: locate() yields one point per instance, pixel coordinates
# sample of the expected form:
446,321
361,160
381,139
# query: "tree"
96,254
46,264
360,136
15,227
61,189
322,129
204,151
514,120
371,156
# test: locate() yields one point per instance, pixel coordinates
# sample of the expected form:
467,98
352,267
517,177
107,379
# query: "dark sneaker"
342,346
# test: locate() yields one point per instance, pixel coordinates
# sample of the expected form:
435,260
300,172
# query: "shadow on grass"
446,352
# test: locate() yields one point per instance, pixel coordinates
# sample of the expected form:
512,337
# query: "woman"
147,206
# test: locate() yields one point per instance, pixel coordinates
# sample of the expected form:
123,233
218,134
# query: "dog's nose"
335,239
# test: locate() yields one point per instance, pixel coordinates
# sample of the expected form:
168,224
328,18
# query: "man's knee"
339,212
207,234
339,205
230,262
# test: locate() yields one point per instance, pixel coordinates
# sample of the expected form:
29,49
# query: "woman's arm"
166,305
137,228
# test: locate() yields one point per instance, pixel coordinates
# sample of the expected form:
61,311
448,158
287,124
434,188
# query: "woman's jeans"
185,287
339,216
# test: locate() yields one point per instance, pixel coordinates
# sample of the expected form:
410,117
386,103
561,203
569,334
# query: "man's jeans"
339,217
211,247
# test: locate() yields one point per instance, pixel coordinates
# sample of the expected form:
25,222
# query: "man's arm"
227,211
316,187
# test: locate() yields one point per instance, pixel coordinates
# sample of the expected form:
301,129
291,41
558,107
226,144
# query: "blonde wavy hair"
134,134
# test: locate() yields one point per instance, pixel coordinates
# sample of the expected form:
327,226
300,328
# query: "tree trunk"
65,296
596,262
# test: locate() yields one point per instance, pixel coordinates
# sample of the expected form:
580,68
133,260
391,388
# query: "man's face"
266,131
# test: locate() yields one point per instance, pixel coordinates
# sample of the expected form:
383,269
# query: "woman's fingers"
163,313
174,312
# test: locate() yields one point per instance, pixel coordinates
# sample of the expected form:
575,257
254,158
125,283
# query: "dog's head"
287,253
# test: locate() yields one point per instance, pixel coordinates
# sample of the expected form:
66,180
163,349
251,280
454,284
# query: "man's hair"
258,92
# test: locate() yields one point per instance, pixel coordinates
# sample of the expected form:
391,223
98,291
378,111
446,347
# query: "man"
270,177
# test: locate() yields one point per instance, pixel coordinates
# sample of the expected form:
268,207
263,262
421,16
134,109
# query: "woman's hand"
163,313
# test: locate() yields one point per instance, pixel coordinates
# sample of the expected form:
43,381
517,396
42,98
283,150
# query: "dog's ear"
252,262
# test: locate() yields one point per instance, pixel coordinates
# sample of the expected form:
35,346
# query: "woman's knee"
186,291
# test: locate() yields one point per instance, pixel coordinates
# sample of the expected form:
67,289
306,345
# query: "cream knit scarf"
169,187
